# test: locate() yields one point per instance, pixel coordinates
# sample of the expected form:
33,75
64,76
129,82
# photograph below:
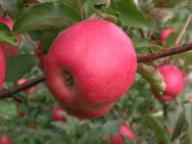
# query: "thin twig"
183,30
164,53
10,92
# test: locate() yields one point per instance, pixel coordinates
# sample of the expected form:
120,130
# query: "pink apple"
174,80
9,49
89,66
124,130
4,139
57,114
165,33
30,90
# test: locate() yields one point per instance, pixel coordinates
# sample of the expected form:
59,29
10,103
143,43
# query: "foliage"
26,118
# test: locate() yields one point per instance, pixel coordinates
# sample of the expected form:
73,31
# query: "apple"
165,33
57,114
124,130
89,66
9,49
4,139
174,80
30,90
2,67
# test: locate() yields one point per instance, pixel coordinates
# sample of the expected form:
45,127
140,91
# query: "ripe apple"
124,130
57,114
4,139
30,90
9,49
174,80
165,33
2,67
89,66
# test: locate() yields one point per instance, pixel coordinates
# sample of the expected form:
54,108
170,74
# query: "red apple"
30,90
4,139
2,67
174,80
57,114
124,130
9,49
89,66
165,33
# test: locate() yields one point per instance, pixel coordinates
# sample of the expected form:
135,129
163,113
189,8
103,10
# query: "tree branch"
164,53
143,58
10,92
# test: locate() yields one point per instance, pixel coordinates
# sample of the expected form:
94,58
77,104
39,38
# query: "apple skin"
89,66
174,80
8,49
124,130
56,114
165,33
4,139
30,90
2,68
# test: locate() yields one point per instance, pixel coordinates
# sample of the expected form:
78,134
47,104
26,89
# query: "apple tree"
95,72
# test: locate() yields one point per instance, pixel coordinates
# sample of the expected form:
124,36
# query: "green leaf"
7,109
153,77
180,126
88,7
47,38
14,8
154,125
76,5
140,43
171,39
6,35
46,16
190,5
18,65
70,126
111,127
92,136
129,15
